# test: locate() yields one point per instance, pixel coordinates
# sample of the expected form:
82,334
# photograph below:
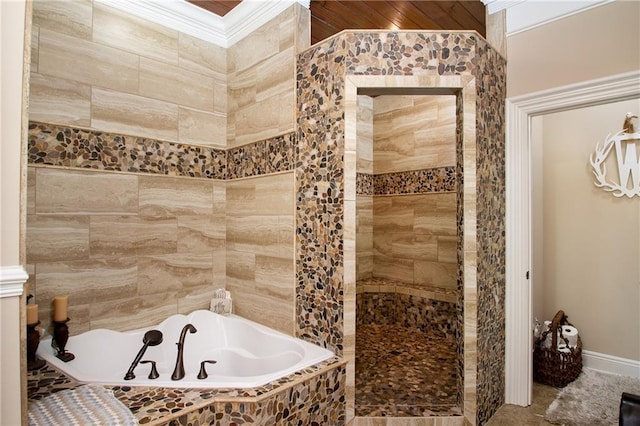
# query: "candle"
60,308
32,314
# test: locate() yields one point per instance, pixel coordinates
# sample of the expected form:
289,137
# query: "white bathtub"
247,354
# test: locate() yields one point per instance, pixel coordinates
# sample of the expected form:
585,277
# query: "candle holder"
59,341
33,340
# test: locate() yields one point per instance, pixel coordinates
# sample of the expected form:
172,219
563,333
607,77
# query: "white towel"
85,405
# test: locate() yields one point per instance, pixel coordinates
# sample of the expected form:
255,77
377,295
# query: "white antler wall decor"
624,143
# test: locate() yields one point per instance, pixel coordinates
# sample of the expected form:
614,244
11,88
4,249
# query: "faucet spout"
178,371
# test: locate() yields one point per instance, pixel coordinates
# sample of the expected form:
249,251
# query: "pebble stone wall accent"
312,396
57,145
440,179
320,77
381,301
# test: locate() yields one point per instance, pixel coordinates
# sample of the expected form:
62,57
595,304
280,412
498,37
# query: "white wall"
12,31
596,43
588,239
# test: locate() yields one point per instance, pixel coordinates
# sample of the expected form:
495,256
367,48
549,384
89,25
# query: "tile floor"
404,372
533,415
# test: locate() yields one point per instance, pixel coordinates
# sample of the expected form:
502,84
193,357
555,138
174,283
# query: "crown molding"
523,15
187,18
12,279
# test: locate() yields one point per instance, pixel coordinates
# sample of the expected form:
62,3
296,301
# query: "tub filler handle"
178,372
153,374
203,373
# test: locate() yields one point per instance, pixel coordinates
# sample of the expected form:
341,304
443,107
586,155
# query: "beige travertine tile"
395,269
257,46
447,249
65,191
220,98
241,268
266,310
303,32
414,246
202,128
170,197
242,88
131,236
274,277
128,32
195,299
276,75
202,57
200,234
91,63
436,274
134,115
437,217
35,46
73,18
87,281
365,134
174,272
171,83
55,100
51,238
31,190
257,234
133,312
391,215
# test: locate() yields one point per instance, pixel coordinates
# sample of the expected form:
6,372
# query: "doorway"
520,112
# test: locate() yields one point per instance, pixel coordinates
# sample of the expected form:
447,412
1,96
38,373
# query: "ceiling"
332,16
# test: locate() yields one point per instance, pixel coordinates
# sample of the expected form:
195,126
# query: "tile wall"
261,78
96,67
128,157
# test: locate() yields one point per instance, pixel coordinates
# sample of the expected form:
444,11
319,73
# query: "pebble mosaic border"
440,179
63,146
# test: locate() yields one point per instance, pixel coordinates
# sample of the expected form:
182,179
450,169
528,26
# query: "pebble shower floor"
404,372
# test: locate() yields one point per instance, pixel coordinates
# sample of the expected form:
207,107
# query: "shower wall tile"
176,84
132,235
71,18
260,249
174,196
136,311
179,272
35,43
128,242
202,57
59,100
64,191
138,75
49,235
261,79
413,133
86,62
201,128
125,31
133,115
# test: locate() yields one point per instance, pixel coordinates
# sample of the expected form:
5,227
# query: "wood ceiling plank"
218,7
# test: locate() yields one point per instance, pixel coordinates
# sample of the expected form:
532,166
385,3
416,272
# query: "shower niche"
407,293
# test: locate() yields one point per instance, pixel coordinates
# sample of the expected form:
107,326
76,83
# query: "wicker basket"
551,366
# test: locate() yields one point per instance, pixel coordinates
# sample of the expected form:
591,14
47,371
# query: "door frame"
519,112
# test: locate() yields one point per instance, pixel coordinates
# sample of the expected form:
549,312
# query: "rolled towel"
88,404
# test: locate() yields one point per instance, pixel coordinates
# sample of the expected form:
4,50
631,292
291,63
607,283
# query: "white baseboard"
611,364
